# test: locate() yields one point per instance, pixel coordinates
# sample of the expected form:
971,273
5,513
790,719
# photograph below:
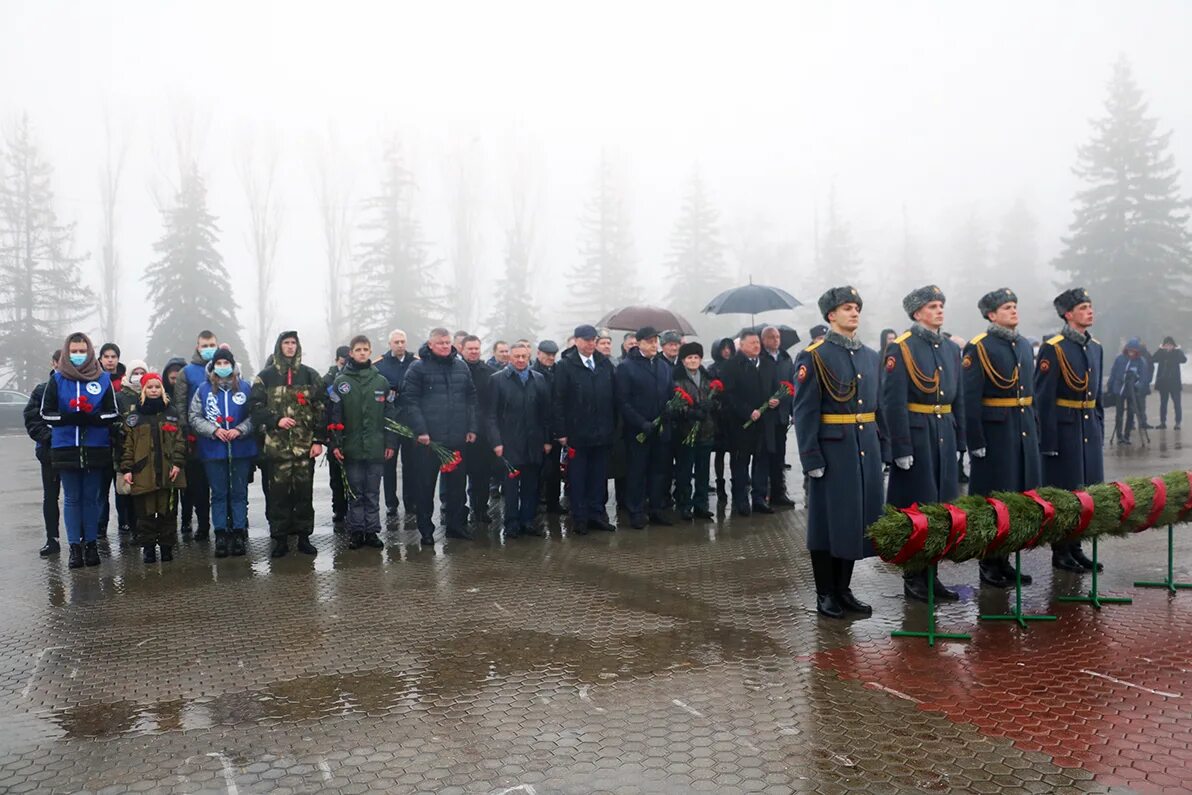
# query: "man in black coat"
551,482
750,382
438,402
584,422
645,383
784,367
517,415
51,487
393,365
923,403
1168,383
478,458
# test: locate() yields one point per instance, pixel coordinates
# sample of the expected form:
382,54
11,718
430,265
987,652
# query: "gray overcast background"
946,107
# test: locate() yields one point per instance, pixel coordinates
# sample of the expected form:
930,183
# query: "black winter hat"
818,331
835,296
646,332
991,302
1070,299
917,299
225,355
690,349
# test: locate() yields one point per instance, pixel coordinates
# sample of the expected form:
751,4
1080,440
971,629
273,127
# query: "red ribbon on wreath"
1086,513
1157,505
918,537
1002,513
1188,505
957,529
1127,499
1048,516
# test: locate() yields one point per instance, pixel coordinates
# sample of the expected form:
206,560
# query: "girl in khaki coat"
152,463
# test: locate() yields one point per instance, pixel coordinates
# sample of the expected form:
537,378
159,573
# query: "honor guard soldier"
1071,415
835,412
1002,433
923,409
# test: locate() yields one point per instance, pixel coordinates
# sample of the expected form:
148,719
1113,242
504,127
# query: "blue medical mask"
207,353
77,359
223,370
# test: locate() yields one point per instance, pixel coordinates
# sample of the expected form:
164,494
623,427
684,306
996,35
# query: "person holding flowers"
152,464
751,391
361,403
79,405
695,431
518,419
645,385
286,403
219,419
438,403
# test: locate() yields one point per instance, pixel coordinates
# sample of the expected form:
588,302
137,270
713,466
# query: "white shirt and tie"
589,363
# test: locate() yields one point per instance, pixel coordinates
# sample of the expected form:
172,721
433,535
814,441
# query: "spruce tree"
838,255
1128,242
514,315
189,287
696,267
604,278
395,280
41,297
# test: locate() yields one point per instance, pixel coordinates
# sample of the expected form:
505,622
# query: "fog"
920,116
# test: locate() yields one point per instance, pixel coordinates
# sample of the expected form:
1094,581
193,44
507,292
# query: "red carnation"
788,386
570,453
191,438
301,397
169,427
716,385
688,399
514,474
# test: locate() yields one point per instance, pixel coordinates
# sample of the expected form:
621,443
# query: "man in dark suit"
644,385
784,367
517,419
1071,413
750,382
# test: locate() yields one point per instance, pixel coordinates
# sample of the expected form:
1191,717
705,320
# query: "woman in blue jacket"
219,417
79,405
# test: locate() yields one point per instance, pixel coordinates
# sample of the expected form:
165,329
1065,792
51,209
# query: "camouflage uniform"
287,388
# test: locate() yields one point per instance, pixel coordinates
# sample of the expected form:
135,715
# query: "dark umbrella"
788,336
751,299
631,318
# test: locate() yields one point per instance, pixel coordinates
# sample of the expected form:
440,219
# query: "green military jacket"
288,389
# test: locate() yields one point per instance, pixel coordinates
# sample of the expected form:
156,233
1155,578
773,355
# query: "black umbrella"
751,299
788,336
631,318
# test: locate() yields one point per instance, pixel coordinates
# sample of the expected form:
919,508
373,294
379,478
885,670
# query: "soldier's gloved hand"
1052,453
816,473
978,453
905,462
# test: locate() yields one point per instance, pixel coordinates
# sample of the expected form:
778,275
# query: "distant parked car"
12,407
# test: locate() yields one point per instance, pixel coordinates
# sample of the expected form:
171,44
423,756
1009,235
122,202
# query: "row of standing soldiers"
1025,421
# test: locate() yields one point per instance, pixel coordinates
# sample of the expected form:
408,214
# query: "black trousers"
777,462
479,462
647,481
339,500
1174,395
51,488
409,477
454,511
751,475
196,500
587,475
550,483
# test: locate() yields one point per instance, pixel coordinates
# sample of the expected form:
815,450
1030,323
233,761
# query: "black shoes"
1062,559
637,522
305,547
167,553
782,501
374,541
149,553
1010,573
741,510
827,604
201,533
704,513
536,531
512,533
915,587
1084,560
428,539
76,556
52,547
281,547
852,604
221,544
460,533
686,515
660,520
91,554
236,548
602,524
993,575
761,507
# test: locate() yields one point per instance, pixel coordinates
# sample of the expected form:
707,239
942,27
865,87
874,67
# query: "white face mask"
135,379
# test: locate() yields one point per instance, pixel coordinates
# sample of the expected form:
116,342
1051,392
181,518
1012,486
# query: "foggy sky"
941,106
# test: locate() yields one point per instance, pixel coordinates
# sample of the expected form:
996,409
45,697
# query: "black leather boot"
914,585
1010,573
1084,560
826,602
167,553
91,554
992,573
1061,558
844,578
281,547
305,547
236,547
356,540
52,547
221,543
149,553
76,556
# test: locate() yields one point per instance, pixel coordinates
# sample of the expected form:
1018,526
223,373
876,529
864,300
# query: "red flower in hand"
570,453
788,386
301,398
716,385
514,474
229,420
687,398
169,427
191,438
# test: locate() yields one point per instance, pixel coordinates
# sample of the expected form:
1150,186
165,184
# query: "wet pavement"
684,659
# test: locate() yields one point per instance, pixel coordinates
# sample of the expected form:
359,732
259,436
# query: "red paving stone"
1035,687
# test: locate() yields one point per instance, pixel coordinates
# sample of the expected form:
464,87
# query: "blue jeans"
228,489
81,489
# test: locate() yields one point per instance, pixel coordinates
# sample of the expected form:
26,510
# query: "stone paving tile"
680,660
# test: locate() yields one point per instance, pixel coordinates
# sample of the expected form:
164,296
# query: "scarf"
1001,332
88,370
152,406
848,343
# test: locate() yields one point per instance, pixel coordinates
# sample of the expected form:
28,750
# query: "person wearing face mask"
127,399
151,462
109,362
219,417
80,406
196,498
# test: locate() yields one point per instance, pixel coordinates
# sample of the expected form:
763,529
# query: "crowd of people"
541,429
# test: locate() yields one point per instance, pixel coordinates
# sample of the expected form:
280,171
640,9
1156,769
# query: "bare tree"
257,170
109,262
333,192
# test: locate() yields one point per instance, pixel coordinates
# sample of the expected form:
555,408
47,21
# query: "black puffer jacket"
439,398
585,401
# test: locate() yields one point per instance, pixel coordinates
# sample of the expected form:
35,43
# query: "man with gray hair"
438,401
784,368
393,365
